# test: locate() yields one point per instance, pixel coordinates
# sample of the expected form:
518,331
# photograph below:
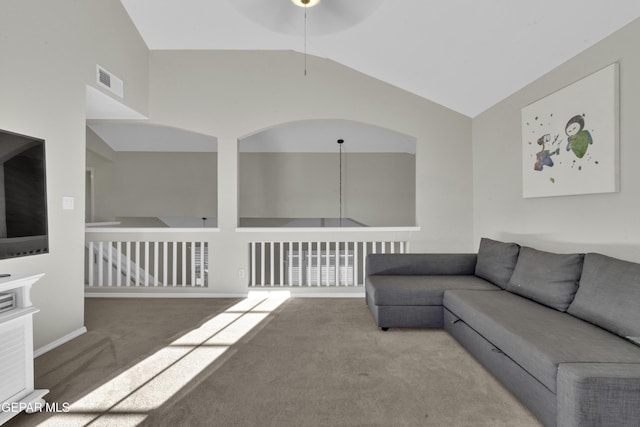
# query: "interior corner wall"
606,223
49,51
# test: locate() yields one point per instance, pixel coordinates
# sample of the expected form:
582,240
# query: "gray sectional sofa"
560,331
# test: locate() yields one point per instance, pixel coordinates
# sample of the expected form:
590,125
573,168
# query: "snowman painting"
579,138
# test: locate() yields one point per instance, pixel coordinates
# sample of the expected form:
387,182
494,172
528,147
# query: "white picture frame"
570,141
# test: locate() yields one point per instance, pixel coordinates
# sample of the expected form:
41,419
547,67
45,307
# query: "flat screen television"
23,196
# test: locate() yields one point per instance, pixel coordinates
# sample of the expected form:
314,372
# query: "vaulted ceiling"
464,54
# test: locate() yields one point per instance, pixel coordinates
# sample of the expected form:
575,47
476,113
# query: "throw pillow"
548,278
609,294
496,261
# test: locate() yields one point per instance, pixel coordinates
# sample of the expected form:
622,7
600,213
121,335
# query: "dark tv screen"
23,196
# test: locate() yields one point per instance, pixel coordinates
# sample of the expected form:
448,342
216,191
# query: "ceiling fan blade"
276,15
328,17
332,16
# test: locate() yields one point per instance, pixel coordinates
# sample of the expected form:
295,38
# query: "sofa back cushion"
548,278
496,261
609,295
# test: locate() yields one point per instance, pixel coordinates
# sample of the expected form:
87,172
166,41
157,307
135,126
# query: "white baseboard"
159,295
57,343
294,294
328,295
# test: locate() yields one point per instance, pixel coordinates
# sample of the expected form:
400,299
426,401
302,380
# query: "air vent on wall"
108,81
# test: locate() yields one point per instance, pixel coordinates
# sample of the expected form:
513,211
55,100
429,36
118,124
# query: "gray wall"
600,222
378,188
49,51
149,184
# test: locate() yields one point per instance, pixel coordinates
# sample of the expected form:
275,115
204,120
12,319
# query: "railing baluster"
271,264
290,264
100,264
327,269
300,263
119,263
346,268
109,263
137,261
253,264
184,263
337,268
91,263
128,245
146,263
339,262
307,276
204,253
281,263
156,246
174,263
345,263
262,269
165,263
356,263
365,252
193,263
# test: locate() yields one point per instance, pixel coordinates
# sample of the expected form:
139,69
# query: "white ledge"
150,230
324,229
251,230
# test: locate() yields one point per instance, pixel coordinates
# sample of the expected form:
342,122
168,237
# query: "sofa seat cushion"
536,337
419,290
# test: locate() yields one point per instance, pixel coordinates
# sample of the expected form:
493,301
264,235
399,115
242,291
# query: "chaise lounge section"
558,330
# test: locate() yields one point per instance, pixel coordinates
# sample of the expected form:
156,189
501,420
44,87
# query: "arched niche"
294,175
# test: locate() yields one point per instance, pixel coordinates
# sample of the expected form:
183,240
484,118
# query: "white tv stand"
16,352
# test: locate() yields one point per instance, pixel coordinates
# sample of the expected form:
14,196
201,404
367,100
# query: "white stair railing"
314,263
146,263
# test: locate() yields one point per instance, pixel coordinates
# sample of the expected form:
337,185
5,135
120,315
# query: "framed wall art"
570,139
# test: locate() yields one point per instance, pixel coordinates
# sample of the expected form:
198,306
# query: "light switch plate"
68,203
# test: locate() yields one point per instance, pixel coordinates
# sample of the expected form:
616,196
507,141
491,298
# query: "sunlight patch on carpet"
127,399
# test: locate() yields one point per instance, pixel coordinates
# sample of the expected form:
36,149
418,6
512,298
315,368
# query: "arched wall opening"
297,175
146,175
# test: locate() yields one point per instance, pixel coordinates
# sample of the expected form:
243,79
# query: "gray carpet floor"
311,362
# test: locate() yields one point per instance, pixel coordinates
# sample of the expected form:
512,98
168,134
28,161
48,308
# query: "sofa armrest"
421,264
598,394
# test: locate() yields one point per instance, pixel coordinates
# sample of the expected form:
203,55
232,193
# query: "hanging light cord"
340,141
305,39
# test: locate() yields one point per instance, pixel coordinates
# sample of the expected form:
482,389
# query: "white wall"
153,184
48,52
606,223
378,189
233,94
